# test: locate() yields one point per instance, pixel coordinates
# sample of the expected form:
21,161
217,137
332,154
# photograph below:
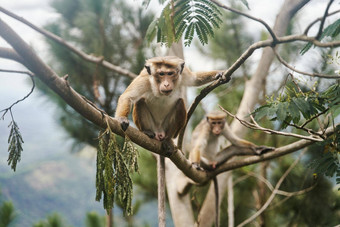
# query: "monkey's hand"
220,76
263,149
124,122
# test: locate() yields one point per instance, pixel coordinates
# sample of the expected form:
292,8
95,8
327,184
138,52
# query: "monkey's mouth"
166,92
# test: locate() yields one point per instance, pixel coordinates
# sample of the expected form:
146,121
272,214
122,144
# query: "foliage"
94,220
331,30
329,163
289,107
113,168
15,142
53,220
188,17
7,214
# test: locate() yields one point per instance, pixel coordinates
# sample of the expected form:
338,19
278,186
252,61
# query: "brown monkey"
156,94
159,109
206,142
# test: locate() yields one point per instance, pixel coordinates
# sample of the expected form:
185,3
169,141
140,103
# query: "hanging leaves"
15,142
113,171
188,17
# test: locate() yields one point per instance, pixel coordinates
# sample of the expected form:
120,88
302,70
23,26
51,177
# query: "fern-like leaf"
188,17
15,142
113,171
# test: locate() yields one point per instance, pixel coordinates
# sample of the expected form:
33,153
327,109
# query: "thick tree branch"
9,53
90,58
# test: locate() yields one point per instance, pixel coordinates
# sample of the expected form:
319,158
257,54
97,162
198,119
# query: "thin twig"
271,32
301,72
31,75
318,19
83,55
269,131
272,196
323,20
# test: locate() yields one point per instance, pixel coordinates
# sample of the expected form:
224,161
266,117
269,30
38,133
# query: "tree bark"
251,97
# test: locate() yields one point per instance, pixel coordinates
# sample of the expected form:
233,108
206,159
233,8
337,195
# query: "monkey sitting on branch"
206,143
156,94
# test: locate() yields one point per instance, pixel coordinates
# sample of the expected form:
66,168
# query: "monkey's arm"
200,78
133,92
249,146
200,140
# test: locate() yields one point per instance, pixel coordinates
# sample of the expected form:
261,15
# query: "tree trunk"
251,97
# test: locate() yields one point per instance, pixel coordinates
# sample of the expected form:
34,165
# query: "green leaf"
294,112
245,2
281,111
306,48
331,30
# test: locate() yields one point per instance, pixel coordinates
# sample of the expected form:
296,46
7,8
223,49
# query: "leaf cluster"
15,142
332,31
185,17
329,163
114,165
290,107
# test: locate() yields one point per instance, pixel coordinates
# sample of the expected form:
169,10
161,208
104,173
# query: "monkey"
157,98
206,141
158,104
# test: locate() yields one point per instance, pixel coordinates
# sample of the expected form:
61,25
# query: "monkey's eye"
161,73
170,73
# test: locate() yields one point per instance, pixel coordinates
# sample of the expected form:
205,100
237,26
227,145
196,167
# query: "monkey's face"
166,79
216,126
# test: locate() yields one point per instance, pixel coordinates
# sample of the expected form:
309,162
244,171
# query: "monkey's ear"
148,69
182,67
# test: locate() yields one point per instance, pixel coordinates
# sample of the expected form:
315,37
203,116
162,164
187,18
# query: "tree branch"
76,101
318,19
272,196
256,126
9,53
323,20
20,100
83,55
271,32
301,72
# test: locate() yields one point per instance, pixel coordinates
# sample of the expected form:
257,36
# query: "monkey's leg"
175,120
143,118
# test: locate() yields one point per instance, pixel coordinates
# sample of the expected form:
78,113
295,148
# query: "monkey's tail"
216,203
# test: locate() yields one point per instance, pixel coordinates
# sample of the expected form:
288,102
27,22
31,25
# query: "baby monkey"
206,142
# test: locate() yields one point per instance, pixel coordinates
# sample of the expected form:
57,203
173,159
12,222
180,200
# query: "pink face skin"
216,126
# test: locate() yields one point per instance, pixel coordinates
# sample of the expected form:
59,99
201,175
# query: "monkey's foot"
197,166
124,122
167,147
263,149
